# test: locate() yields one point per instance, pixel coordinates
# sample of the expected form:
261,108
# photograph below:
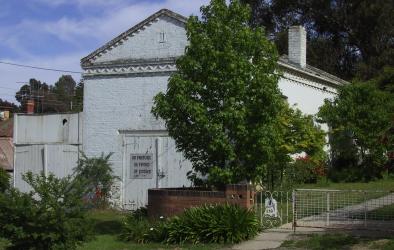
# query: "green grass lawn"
385,184
336,242
385,213
107,226
317,201
3,243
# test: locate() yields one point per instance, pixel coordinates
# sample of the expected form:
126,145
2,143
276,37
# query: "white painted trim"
46,160
144,133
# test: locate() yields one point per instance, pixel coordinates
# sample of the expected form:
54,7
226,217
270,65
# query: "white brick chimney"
297,45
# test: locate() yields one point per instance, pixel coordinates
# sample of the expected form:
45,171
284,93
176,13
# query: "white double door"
150,161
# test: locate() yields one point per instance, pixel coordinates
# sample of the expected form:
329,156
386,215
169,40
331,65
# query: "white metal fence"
347,209
274,208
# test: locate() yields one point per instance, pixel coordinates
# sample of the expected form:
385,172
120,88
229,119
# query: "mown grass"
385,184
337,242
107,227
315,202
385,213
3,243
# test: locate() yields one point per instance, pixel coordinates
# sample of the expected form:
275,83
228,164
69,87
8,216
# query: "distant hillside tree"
355,37
63,96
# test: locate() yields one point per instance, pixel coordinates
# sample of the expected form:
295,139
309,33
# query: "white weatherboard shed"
46,143
122,77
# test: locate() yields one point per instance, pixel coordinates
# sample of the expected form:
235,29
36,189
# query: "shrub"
4,180
49,217
304,170
212,224
137,228
97,174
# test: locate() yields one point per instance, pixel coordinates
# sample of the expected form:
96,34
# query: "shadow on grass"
112,227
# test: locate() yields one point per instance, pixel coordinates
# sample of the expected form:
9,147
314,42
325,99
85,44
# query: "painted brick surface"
297,45
117,103
169,202
147,43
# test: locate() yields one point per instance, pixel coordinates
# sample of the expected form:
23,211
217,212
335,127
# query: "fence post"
287,207
261,207
365,209
328,209
294,225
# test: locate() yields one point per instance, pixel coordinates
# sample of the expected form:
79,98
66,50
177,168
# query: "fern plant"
213,224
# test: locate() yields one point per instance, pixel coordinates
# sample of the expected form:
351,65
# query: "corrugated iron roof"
7,128
6,154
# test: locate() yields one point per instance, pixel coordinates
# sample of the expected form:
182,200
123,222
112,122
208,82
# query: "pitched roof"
7,128
124,35
283,60
6,154
311,71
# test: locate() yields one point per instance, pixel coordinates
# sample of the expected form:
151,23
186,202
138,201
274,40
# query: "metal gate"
345,209
274,208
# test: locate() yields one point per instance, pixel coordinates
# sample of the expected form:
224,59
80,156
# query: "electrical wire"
41,68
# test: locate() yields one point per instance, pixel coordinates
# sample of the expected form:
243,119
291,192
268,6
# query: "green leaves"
4,180
97,175
51,216
360,118
212,224
221,106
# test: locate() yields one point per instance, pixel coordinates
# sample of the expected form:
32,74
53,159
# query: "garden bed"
172,201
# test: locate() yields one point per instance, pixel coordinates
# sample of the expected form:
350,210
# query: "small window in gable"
162,37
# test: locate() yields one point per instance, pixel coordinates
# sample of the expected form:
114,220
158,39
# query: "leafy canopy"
223,106
353,36
51,216
97,175
360,118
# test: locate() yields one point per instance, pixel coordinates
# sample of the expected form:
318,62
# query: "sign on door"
141,166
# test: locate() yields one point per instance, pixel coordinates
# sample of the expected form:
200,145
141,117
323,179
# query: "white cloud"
84,34
113,23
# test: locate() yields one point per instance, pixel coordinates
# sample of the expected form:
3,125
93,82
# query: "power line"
41,68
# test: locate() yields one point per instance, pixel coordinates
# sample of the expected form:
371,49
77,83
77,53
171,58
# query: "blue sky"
58,33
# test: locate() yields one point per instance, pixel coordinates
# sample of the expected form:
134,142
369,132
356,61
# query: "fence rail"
348,209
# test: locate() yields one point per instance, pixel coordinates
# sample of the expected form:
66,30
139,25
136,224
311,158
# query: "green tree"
4,180
359,118
223,104
6,105
97,174
355,37
51,216
77,104
298,134
64,89
64,96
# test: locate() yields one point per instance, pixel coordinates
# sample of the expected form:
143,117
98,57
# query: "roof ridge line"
132,30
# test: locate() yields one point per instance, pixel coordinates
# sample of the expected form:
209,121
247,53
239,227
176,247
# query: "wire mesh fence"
348,209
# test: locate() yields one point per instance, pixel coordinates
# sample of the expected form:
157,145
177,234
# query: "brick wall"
170,201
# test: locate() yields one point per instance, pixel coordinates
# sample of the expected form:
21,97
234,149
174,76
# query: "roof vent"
297,45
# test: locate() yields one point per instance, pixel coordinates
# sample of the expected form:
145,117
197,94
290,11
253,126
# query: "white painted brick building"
122,77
